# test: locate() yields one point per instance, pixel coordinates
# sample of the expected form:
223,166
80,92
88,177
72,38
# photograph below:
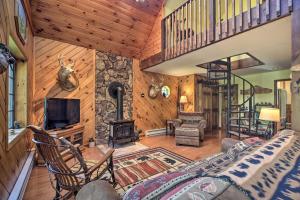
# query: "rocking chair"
66,165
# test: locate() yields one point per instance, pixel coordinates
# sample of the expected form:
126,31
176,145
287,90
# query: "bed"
251,169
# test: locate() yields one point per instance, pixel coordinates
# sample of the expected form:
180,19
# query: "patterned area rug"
137,167
124,148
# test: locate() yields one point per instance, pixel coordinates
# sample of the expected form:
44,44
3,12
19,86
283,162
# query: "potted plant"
91,142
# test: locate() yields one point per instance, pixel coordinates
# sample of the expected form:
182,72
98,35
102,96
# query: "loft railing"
198,23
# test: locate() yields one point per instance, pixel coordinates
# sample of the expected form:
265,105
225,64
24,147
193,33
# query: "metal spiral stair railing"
240,118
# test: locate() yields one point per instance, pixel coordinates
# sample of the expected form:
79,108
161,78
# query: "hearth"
121,131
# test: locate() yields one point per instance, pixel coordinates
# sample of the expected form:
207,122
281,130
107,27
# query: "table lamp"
182,101
271,115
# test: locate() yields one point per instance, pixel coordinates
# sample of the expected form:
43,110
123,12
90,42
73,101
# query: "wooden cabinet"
74,135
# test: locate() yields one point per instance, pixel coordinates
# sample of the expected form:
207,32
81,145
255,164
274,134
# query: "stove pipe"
119,104
116,91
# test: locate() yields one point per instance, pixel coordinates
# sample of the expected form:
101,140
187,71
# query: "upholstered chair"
189,128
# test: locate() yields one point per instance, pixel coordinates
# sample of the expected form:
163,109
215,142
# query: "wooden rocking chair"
66,164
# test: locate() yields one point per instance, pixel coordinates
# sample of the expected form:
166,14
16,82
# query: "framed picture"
21,20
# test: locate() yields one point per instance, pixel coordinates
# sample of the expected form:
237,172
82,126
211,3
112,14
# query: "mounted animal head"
155,88
5,58
69,68
65,75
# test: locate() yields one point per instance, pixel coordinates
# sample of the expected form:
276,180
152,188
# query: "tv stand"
73,134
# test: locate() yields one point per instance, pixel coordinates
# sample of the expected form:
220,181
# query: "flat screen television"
61,113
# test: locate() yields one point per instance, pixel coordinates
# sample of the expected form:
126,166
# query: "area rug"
121,149
134,168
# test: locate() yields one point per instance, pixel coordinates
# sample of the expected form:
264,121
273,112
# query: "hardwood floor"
39,185
210,146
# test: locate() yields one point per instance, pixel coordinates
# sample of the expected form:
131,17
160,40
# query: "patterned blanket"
251,169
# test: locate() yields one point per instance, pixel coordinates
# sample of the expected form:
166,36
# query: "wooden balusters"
226,18
258,11
219,19
182,31
278,8
233,17
163,38
249,12
198,23
212,20
241,15
268,9
186,29
173,35
190,31
166,38
205,21
199,40
170,36
290,5
195,27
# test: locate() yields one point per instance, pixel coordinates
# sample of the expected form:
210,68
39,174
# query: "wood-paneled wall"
46,68
151,113
153,44
12,159
187,88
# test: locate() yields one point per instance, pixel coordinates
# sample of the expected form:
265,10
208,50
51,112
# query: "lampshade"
270,114
183,99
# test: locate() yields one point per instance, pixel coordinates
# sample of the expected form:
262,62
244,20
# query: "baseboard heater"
155,132
19,188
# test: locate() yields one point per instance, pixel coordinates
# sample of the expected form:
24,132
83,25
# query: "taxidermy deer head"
5,58
66,76
155,88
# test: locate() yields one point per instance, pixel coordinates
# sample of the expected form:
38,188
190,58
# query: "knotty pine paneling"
152,113
120,27
153,44
12,159
46,68
187,88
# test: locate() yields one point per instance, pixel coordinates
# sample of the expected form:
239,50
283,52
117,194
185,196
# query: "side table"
170,127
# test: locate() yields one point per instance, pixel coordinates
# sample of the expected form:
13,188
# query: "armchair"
189,128
66,165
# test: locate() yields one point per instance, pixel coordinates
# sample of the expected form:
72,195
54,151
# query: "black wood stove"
121,131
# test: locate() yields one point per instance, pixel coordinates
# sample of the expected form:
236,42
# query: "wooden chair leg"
57,191
111,169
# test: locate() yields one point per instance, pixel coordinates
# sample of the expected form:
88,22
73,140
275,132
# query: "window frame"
11,93
13,135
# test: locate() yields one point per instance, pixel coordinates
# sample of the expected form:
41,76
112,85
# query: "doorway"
282,100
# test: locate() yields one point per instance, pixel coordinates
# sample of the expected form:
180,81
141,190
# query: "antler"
72,63
162,82
61,60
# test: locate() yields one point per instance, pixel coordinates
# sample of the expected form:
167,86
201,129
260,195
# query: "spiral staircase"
240,117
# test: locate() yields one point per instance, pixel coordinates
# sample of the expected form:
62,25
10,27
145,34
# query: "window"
16,95
11,96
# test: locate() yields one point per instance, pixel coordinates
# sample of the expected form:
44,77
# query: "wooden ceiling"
117,26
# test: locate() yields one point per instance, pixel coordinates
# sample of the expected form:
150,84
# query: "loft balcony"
197,24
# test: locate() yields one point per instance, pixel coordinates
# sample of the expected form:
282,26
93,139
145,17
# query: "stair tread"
217,78
236,118
242,111
236,126
242,135
218,70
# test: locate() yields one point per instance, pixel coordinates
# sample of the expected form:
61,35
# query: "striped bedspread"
252,169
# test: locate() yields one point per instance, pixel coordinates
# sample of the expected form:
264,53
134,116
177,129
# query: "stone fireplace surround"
109,68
